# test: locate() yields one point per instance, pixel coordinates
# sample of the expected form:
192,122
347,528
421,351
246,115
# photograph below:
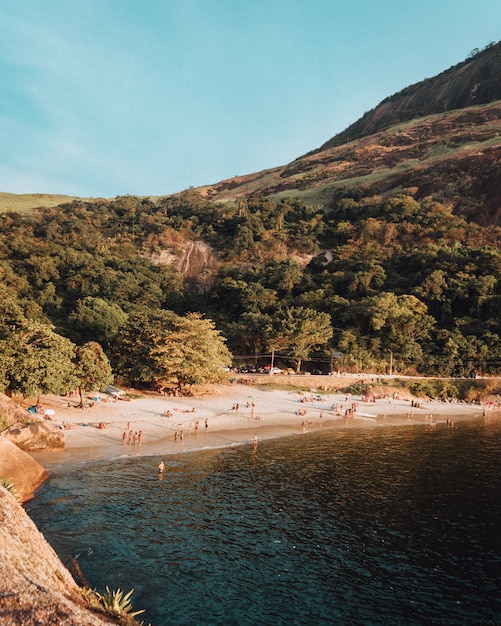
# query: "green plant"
11,488
117,603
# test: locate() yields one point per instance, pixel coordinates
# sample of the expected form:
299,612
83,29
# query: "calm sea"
390,525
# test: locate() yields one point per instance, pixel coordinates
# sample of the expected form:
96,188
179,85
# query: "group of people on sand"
180,435
310,398
128,437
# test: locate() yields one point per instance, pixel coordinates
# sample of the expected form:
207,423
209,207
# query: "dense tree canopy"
376,274
36,360
166,348
296,331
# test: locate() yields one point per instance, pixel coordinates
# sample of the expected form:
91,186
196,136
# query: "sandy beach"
223,415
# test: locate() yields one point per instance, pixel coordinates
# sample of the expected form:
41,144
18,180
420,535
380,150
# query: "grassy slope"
22,203
405,155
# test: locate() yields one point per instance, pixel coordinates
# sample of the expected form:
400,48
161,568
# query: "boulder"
36,436
10,412
35,587
20,469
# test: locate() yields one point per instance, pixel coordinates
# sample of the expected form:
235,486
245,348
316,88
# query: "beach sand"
261,412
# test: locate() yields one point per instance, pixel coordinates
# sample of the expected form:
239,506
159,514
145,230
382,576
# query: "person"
206,424
255,442
161,467
181,437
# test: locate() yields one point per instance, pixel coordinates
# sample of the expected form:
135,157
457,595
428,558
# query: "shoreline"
234,414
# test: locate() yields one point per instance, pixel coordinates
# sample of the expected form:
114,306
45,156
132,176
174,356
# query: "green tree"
95,319
404,318
92,369
192,351
298,330
246,335
283,276
36,360
160,347
135,342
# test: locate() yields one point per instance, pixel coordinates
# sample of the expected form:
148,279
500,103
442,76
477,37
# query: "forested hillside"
386,248
363,277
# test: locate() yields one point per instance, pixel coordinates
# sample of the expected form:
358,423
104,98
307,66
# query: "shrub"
116,603
11,488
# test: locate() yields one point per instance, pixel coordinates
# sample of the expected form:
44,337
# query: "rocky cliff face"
36,436
35,587
196,264
20,469
472,82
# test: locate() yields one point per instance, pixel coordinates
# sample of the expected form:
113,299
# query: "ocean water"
390,525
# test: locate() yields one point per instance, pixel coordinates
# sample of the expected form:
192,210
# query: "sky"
104,98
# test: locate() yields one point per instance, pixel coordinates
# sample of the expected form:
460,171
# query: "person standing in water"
161,467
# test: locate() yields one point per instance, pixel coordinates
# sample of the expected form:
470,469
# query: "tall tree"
164,347
92,369
298,330
192,351
38,361
136,340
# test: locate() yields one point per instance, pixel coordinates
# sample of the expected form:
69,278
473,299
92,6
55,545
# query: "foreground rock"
20,469
36,436
35,587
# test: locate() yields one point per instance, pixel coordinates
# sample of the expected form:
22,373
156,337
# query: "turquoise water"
395,525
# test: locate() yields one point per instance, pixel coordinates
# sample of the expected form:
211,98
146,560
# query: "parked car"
267,369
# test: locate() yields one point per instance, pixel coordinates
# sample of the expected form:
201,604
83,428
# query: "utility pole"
391,363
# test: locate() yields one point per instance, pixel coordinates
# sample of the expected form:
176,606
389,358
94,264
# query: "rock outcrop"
10,412
20,469
36,436
196,264
35,587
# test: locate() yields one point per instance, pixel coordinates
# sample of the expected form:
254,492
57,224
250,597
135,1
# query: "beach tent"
113,391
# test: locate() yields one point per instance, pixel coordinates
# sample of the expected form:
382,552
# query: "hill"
440,138
383,245
20,203
472,82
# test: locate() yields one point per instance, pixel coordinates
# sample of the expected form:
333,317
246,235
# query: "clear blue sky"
149,97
